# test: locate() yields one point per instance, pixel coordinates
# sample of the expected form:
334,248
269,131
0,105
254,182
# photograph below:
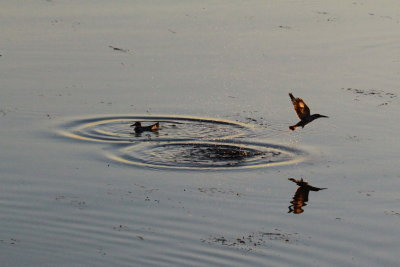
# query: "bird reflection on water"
300,198
303,112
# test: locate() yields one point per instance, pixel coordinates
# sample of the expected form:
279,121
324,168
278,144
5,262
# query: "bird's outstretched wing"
302,110
305,185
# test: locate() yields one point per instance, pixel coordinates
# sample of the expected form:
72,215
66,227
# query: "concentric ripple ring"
116,129
206,155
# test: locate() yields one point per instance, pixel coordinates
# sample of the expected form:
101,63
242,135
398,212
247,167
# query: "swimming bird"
300,198
303,112
139,128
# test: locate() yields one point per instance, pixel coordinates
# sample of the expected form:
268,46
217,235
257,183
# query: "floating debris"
118,49
213,191
371,92
386,96
250,241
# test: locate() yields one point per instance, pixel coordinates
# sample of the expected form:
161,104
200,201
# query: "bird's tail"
155,126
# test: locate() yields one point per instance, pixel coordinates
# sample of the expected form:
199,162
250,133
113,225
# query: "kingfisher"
139,128
303,112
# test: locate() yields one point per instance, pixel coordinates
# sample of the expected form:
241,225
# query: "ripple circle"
117,129
203,155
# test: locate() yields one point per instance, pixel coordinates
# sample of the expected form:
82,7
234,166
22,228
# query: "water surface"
219,75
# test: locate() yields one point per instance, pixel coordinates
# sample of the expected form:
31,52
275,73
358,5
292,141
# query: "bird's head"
316,116
137,124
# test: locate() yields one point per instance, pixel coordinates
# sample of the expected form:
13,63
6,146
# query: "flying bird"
139,128
303,112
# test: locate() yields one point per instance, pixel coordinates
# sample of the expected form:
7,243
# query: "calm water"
211,187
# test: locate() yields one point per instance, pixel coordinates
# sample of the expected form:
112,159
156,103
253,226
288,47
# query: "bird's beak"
323,116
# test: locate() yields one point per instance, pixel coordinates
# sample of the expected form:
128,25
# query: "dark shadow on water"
300,197
148,135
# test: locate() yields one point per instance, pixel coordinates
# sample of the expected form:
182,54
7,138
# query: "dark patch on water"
386,97
205,155
392,212
371,92
251,241
72,201
11,241
211,191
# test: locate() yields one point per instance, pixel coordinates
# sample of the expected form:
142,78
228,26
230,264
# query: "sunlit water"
211,187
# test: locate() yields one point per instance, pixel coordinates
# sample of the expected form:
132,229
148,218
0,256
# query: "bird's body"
303,112
139,128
